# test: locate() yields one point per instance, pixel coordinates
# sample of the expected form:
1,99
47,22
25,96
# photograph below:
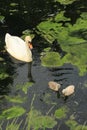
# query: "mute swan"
68,90
54,86
18,48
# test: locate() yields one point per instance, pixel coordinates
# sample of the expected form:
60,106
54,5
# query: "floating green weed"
73,125
2,18
3,70
60,17
51,59
13,125
65,2
12,112
1,59
28,32
85,84
47,98
61,112
26,86
16,99
3,75
13,4
37,121
72,39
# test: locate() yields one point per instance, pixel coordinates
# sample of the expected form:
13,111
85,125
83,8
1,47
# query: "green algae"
13,4
3,69
51,59
47,98
72,39
27,32
37,121
3,75
1,59
2,18
64,34
12,112
16,99
24,87
60,17
61,112
73,125
65,2
75,56
12,125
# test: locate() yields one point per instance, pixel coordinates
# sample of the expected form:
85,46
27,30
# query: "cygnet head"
28,40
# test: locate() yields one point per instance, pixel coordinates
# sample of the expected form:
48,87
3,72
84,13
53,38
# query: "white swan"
18,48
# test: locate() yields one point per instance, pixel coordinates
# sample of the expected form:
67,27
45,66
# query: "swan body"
18,48
68,90
54,86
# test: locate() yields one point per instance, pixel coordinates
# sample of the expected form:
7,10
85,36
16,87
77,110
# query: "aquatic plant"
3,70
51,59
26,86
72,39
12,112
13,4
13,125
60,17
1,59
54,29
16,99
61,112
28,32
73,125
37,121
3,75
65,2
47,98
2,18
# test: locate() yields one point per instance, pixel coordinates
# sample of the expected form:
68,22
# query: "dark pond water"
44,97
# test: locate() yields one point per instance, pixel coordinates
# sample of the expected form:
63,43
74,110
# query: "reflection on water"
30,72
23,71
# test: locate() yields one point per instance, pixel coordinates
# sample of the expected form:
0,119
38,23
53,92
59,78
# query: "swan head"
28,40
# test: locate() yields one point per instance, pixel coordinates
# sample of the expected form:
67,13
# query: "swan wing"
18,48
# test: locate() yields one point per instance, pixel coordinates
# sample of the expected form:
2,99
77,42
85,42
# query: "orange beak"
30,45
